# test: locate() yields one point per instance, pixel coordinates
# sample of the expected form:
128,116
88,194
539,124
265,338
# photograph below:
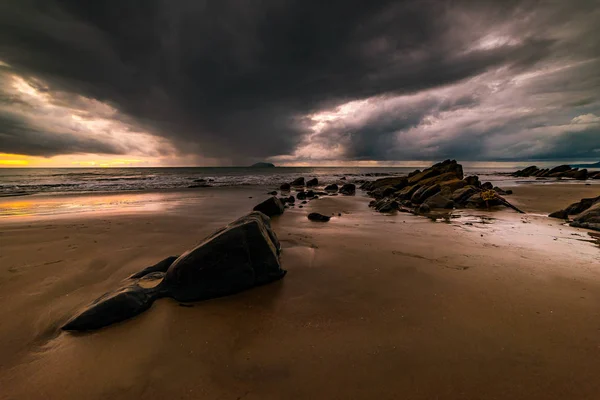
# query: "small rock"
318,217
270,207
349,189
298,182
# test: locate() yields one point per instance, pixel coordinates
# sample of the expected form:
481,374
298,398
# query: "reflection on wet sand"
54,205
57,205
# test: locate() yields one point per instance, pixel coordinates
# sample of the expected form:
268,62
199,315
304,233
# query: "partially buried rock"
349,189
285,187
589,219
270,207
237,257
160,266
113,307
318,217
312,183
331,188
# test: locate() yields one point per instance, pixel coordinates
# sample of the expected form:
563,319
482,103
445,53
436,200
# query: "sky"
297,82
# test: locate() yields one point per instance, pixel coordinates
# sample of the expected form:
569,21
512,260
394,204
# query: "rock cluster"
586,214
562,171
442,186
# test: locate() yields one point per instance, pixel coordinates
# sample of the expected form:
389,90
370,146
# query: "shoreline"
559,195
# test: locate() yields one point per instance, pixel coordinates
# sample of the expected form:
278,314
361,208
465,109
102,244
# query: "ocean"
28,181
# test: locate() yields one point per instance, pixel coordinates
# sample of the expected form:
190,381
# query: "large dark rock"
529,171
312,183
386,205
285,187
270,207
575,208
589,219
453,184
444,167
423,193
560,214
473,180
439,201
407,192
348,189
580,175
160,266
239,256
461,196
398,182
559,169
298,182
318,217
331,188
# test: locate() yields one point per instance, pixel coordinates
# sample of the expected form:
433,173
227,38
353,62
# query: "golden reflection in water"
55,205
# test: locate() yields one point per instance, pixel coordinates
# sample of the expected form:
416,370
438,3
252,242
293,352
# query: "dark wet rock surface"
238,256
318,217
270,207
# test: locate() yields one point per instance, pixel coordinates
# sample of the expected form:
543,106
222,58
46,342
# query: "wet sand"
492,305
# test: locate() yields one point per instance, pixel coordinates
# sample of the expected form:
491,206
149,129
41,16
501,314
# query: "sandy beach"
490,305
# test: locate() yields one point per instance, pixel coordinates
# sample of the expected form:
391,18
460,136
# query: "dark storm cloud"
238,80
17,137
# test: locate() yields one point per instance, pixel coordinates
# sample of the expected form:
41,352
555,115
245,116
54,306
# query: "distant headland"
595,165
262,165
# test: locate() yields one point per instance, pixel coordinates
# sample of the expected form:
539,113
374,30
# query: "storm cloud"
301,81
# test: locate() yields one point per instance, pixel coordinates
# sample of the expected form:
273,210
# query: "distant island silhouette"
262,165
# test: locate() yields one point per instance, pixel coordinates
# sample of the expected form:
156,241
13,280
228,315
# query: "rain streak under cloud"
294,82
